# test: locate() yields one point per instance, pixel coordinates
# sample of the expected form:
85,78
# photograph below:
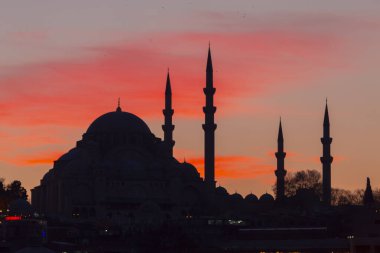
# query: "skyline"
263,68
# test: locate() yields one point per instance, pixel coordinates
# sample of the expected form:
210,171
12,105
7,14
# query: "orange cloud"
43,158
235,166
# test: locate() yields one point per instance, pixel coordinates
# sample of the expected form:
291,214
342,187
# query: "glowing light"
13,218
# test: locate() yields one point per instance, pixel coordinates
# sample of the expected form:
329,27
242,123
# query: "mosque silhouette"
120,170
121,173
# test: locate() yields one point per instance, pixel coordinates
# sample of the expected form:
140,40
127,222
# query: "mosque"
120,171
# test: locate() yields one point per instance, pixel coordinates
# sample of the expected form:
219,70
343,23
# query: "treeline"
312,179
10,192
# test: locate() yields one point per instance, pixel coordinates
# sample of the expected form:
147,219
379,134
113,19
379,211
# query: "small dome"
236,196
118,122
221,191
266,197
190,169
251,198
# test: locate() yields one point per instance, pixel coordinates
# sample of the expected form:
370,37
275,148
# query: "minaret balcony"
209,90
208,109
326,140
168,127
280,155
168,112
280,173
328,159
209,127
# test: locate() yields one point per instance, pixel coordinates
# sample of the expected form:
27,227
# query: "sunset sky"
64,63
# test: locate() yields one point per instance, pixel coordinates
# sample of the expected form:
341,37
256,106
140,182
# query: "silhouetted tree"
3,195
346,197
16,191
311,179
11,192
376,195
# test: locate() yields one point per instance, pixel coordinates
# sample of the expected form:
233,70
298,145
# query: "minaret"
118,109
326,159
280,172
168,112
368,195
209,126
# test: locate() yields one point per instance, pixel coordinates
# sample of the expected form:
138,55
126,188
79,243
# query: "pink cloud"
245,64
71,93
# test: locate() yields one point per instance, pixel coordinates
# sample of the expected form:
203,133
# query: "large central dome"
118,122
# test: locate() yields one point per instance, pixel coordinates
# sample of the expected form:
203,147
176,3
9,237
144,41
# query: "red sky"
64,64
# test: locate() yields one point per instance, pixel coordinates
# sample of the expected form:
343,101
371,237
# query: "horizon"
59,72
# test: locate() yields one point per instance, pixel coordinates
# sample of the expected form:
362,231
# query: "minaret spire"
168,89
209,126
168,112
326,120
118,109
280,138
368,195
280,171
326,159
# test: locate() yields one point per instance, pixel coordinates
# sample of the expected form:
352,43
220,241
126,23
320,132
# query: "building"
121,171
121,174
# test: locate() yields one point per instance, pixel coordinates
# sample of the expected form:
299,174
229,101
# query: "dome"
266,197
251,198
118,122
221,191
190,170
236,196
